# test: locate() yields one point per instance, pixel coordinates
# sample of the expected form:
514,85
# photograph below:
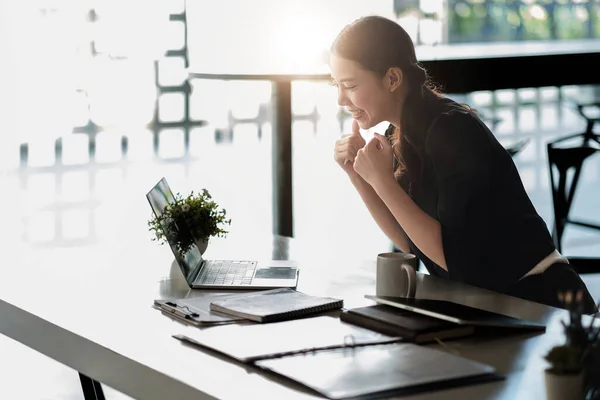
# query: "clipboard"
195,310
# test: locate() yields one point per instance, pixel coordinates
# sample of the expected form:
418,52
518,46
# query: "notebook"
390,369
249,343
275,305
410,326
459,313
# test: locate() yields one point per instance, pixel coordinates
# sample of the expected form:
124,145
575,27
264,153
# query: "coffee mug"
396,275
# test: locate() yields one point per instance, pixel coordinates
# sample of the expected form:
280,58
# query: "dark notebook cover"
275,305
406,324
459,313
391,369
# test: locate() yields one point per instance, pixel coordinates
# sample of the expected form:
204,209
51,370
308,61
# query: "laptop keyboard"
226,272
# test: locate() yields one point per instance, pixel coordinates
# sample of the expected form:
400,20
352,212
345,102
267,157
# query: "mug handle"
411,277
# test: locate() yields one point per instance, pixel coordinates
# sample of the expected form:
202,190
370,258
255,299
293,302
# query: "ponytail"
409,148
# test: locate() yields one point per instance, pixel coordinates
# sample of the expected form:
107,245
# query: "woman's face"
363,93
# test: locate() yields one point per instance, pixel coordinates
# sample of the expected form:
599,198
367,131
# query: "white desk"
89,308
96,318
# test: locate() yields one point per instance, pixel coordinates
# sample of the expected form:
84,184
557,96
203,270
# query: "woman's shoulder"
456,125
447,110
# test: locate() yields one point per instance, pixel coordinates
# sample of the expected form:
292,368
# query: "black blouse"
491,232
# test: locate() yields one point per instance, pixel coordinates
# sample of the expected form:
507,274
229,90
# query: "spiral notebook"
275,305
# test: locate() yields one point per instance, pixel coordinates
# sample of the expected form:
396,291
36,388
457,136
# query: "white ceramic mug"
396,275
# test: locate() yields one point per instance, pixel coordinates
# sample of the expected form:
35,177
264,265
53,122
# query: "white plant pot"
176,275
202,245
564,386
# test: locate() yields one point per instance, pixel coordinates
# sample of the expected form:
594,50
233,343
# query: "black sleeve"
460,152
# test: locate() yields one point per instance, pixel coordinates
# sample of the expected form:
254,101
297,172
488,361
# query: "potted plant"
573,370
564,377
190,220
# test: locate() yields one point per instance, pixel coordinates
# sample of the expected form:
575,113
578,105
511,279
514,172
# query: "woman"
438,183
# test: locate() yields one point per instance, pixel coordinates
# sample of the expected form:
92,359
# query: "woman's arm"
423,230
381,214
458,238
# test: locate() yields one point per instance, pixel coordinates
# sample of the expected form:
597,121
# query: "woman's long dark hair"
378,44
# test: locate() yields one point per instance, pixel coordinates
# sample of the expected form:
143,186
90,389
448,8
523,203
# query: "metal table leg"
282,159
92,390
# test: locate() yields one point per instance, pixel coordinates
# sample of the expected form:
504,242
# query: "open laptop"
457,313
223,274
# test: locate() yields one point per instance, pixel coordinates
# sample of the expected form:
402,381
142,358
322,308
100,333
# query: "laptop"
201,273
457,313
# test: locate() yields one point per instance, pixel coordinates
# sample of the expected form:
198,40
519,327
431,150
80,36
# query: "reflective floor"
72,201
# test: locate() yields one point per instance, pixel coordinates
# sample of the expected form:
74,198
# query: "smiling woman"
364,94
438,183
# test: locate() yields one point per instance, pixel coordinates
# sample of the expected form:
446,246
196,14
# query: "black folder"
339,360
373,371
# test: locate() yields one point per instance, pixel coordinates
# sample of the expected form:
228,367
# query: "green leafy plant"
189,220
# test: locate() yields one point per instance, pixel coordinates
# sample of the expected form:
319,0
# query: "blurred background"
96,106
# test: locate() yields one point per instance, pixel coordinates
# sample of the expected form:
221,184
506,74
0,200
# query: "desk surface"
92,312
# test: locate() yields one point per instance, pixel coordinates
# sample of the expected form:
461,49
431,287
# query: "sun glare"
301,43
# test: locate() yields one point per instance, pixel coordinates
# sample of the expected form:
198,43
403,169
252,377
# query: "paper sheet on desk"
249,343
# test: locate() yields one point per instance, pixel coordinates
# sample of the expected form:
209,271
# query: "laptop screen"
159,197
